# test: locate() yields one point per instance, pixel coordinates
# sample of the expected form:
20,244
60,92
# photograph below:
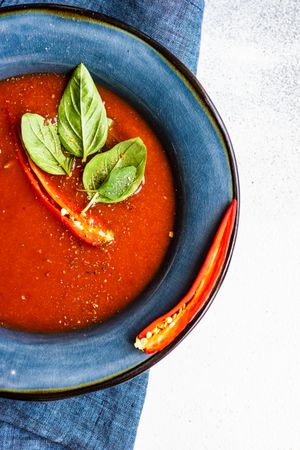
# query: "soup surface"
49,279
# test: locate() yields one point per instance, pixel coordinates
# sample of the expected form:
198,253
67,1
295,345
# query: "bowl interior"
50,40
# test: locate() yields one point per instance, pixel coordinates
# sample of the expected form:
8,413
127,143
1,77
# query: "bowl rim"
213,112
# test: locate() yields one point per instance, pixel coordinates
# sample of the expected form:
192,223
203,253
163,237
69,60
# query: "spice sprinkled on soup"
85,218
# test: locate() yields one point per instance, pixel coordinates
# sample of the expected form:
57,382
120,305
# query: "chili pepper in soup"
51,280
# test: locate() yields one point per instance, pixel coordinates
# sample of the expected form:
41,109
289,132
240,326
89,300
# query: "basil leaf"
116,174
82,121
43,145
118,182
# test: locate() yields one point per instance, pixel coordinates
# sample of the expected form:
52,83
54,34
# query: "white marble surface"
234,383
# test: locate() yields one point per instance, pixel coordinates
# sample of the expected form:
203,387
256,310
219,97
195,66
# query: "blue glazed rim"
205,101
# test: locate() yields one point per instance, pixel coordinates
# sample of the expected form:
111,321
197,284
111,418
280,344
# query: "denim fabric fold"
176,24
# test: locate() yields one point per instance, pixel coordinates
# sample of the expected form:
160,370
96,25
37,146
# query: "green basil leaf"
112,176
118,182
82,121
43,145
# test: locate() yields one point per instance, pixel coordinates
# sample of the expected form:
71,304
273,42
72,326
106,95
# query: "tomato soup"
49,279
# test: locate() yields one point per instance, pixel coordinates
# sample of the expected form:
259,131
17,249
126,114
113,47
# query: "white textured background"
234,383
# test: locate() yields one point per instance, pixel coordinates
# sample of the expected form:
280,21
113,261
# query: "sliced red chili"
162,331
82,226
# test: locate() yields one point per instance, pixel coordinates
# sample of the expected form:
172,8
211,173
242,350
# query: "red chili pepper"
81,225
162,331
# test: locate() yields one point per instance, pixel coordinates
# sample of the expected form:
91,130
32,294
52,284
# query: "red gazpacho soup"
51,280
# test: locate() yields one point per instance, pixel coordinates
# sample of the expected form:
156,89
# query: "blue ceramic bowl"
155,82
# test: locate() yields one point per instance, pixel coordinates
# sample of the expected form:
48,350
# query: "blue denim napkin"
108,419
